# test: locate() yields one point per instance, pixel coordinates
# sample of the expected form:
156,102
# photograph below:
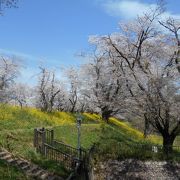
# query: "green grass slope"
115,140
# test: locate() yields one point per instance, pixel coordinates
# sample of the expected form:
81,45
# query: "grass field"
116,140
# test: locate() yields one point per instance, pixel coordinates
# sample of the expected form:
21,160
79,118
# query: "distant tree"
9,70
73,81
61,100
47,90
21,94
83,103
103,85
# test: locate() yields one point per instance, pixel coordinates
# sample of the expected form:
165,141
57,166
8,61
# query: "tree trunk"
168,141
20,103
72,109
146,125
106,115
44,107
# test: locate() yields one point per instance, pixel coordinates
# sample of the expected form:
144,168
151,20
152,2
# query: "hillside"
114,140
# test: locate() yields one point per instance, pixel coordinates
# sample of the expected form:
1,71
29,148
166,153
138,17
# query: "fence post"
35,137
45,151
52,136
43,140
89,165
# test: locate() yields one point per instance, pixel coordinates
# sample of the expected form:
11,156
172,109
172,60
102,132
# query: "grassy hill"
115,140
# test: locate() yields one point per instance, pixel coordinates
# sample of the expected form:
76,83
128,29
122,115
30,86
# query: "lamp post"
79,120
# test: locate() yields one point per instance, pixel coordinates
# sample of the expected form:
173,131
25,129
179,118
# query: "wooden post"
35,138
45,151
80,154
52,136
43,140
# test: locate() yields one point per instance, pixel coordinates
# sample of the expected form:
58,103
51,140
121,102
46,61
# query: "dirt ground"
136,170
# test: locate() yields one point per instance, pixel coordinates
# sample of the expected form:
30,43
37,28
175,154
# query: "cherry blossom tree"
74,84
47,90
9,71
103,85
7,4
22,95
148,58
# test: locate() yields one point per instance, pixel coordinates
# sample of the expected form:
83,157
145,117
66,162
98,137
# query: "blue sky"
55,31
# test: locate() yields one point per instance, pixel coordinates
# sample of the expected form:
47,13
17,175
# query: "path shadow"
172,170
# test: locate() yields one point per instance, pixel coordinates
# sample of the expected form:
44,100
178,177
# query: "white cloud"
30,65
129,9
20,55
28,59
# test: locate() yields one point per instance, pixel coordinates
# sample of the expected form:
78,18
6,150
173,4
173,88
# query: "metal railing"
57,151
52,153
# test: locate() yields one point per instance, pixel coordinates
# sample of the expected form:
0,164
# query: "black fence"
58,156
57,151
145,151
156,148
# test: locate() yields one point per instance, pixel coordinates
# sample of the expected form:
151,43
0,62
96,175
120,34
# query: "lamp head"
79,120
